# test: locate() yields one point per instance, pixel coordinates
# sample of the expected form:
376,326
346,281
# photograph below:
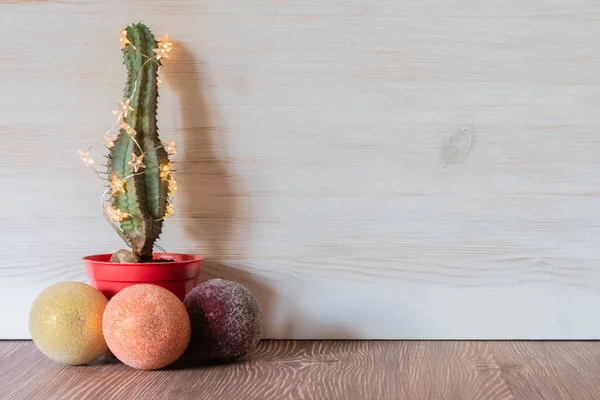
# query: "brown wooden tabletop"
443,370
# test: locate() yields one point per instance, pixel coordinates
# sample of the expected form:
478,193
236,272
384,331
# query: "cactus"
143,198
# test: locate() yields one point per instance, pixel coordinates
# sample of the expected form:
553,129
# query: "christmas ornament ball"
226,320
65,323
146,326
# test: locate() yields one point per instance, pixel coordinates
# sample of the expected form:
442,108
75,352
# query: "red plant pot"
178,276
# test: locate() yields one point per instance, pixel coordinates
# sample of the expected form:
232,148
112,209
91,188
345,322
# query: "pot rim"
178,258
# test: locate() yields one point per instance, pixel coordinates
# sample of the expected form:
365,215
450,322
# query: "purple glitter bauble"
225,318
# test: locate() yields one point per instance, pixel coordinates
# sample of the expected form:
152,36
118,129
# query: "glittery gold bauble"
65,323
146,326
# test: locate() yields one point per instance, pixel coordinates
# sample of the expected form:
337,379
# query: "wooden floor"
326,370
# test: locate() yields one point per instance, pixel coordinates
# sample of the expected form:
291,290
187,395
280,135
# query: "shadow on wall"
211,200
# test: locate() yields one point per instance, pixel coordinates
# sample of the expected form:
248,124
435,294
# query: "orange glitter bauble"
146,326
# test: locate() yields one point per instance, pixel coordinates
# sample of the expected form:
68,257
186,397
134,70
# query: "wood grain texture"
369,169
418,370
543,370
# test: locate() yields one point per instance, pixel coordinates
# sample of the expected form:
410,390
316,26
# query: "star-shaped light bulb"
172,186
123,109
123,39
165,170
85,156
127,128
137,162
116,184
115,214
171,149
169,211
110,141
164,43
161,52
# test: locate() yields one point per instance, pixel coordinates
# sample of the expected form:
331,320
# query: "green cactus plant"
140,191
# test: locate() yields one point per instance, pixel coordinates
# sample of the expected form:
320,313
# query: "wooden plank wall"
369,169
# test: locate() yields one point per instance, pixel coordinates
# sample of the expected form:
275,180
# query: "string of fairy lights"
116,184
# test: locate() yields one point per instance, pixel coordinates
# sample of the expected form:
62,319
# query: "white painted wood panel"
370,169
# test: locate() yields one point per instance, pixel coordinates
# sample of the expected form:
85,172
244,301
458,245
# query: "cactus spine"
144,197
